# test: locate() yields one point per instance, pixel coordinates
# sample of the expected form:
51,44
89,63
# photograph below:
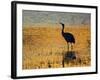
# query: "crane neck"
62,28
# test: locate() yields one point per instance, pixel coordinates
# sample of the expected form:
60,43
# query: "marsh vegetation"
44,47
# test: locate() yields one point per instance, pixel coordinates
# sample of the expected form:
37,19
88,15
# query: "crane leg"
68,46
71,47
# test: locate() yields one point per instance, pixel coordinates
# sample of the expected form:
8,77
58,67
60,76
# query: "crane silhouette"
68,37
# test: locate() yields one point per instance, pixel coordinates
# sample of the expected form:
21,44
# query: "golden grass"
43,47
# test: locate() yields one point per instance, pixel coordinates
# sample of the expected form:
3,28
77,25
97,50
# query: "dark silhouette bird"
68,37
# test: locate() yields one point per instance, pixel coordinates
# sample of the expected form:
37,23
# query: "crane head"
62,24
